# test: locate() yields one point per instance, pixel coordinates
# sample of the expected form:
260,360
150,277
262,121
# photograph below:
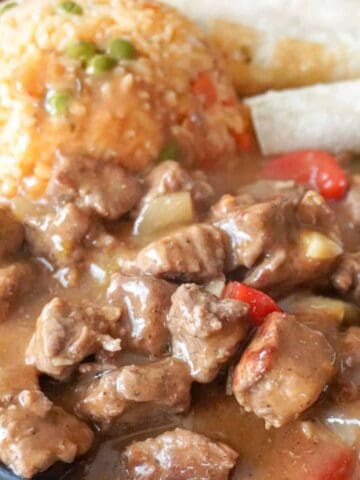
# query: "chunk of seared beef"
103,187
58,236
283,370
348,378
66,334
271,239
16,279
179,455
197,253
254,230
206,331
12,232
165,383
346,277
171,177
35,433
145,302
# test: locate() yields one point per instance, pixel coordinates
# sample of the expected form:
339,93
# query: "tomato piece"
205,89
336,463
315,168
260,304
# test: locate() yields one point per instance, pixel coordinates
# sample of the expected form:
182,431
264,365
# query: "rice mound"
126,115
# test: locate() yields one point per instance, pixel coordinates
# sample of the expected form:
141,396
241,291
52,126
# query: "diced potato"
340,311
163,212
317,246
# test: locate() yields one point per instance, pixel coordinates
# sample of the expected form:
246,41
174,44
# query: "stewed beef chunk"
206,331
286,241
66,334
348,378
103,187
283,370
179,455
346,278
35,433
58,235
165,383
12,232
196,253
145,302
171,177
15,280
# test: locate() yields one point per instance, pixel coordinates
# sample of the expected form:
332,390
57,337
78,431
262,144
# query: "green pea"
69,6
100,63
57,102
7,6
121,49
83,51
171,151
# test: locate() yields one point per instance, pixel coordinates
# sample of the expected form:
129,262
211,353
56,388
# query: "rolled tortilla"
319,117
282,43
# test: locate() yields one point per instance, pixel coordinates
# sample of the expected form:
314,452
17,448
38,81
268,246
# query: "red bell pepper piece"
315,168
259,303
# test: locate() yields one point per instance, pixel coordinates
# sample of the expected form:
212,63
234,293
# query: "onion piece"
306,303
317,246
324,117
216,286
160,213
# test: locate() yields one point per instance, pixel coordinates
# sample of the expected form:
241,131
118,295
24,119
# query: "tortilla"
323,117
282,43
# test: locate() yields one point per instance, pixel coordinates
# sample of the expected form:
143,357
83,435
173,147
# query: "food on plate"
175,303
125,81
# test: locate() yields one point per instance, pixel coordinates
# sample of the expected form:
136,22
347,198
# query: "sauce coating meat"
179,454
205,330
165,382
38,433
283,370
173,305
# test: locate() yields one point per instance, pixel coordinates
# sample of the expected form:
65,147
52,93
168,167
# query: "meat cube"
66,334
287,240
16,279
346,278
165,382
12,232
252,231
171,177
283,370
206,331
181,455
348,378
145,302
197,253
103,187
35,433
58,236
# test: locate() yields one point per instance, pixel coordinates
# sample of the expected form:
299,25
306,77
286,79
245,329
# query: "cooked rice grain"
126,115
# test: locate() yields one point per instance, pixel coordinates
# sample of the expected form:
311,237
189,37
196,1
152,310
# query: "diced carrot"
244,140
204,88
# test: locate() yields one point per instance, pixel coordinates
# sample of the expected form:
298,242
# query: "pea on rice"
116,79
